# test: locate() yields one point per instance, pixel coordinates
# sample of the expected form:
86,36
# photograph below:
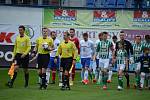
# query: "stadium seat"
121,3
90,3
111,3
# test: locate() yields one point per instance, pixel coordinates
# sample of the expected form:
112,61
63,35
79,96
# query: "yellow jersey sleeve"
28,44
14,51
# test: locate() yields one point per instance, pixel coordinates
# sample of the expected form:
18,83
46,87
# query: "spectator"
138,3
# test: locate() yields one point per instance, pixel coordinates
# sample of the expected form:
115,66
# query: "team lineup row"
52,53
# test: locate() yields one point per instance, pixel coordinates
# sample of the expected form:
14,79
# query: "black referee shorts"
22,62
43,60
66,63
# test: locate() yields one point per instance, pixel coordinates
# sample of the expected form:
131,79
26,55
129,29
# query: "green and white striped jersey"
146,44
137,50
103,49
121,56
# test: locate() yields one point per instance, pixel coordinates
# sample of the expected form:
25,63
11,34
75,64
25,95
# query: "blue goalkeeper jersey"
145,63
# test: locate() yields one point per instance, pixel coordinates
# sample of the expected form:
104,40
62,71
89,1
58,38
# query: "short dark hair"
44,28
52,32
121,31
138,36
100,34
72,29
23,27
114,37
147,36
105,32
85,34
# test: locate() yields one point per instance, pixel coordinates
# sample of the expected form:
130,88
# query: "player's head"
105,34
100,36
45,32
53,35
138,39
146,50
85,36
122,35
72,32
66,35
114,38
147,38
21,30
121,45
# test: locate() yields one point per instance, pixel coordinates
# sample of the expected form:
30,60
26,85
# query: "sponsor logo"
141,16
29,31
8,56
4,36
104,16
68,15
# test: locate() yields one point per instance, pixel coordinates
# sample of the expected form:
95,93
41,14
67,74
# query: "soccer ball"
45,45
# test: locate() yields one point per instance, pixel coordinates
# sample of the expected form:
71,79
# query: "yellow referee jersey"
22,45
66,50
39,44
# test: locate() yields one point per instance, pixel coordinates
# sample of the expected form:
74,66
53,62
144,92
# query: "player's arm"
75,53
28,46
93,51
35,49
51,45
15,47
97,50
78,46
59,51
130,48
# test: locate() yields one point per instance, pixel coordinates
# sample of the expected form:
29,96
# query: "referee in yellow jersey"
67,52
44,45
22,47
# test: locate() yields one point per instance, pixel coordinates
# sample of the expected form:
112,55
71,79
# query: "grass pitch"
78,91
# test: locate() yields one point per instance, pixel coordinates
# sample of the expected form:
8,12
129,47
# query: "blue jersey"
145,63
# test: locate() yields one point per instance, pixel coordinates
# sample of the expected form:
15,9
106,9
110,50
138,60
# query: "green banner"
98,19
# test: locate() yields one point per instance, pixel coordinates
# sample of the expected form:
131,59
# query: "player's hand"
74,62
131,60
55,60
23,55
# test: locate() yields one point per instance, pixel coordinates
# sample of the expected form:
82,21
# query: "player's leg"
25,63
120,76
142,76
54,67
96,71
83,69
105,73
101,67
61,76
16,67
110,73
48,70
46,58
137,74
127,75
87,71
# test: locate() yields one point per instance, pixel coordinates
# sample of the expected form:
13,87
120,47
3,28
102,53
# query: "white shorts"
104,63
120,67
137,66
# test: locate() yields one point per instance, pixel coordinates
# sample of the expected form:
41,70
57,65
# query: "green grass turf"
77,92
